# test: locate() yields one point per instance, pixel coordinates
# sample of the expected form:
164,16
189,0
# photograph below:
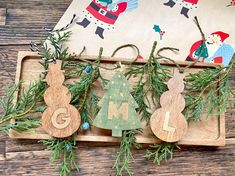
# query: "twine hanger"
159,56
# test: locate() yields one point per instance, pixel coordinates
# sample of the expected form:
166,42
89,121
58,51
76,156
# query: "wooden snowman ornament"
60,119
168,123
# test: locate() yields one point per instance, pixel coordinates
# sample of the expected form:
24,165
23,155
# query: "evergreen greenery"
152,80
124,156
64,150
208,91
22,125
26,103
160,152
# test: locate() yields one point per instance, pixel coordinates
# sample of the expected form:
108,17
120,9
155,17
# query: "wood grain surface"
24,22
210,131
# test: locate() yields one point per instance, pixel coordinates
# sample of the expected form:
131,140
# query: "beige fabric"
136,27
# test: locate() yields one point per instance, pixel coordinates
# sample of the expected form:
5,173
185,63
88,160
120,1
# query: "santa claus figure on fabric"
186,5
212,50
104,13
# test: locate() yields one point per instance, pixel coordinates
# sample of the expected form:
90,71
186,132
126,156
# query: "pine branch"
7,101
82,92
23,125
155,83
140,98
159,76
65,151
74,69
160,152
124,156
25,104
56,40
208,90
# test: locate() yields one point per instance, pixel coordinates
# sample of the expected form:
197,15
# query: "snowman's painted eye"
115,8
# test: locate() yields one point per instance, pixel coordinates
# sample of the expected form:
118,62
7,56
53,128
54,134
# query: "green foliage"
22,125
74,69
25,104
195,110
64,150
197,82
7,101
161,152
83,97
56,40
90,108
124,156
208,91
155,83
140,99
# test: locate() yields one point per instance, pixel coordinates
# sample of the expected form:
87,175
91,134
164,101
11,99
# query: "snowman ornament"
60,119
168,123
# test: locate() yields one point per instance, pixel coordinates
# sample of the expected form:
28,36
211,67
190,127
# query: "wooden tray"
209,131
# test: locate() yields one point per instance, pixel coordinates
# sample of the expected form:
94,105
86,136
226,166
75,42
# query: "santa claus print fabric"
104,14
186,5
112,23
212,50
232,3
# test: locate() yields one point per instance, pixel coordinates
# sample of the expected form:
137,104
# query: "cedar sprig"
124,155
90,108
160,152
64,150
159,77
141,99
197,82
152,79
26,103
208,90
6,102
82,95
56,39
22,125
74,69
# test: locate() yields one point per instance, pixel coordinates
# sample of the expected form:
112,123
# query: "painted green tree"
117,111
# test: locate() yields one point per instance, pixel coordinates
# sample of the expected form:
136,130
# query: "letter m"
122,111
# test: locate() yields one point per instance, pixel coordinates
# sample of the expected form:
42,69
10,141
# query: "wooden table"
21,21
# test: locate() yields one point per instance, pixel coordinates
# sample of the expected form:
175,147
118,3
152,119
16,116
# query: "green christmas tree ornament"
117,111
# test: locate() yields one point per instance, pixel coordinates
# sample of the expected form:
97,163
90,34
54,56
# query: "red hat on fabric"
222,35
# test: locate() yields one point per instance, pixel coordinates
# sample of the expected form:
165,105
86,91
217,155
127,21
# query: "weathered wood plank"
3,16
2,150
2,168
98,161
25,20
8,57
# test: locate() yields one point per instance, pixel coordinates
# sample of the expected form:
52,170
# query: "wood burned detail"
166,126
121,112
65,118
